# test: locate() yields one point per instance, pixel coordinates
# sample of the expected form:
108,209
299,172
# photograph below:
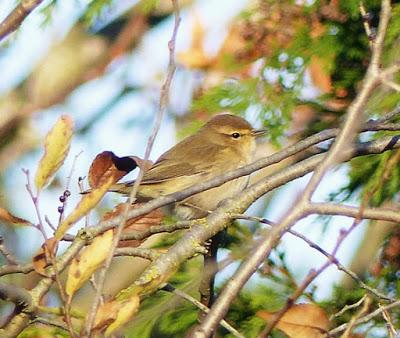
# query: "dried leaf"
43,257
140,223
115,314
56,148
108,164
88,202
88,261
194,57
8,217
301,321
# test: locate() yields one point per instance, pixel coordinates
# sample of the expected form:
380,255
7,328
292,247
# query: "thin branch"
307,281
50,322
348,307
366,318
164,99
389,324
353,320
366,18
383,214
391,84
377,46
7,253
391,69
333,259
149,254
67,193
51,252
17,16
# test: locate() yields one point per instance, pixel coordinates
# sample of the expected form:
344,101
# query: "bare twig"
307,281
391,84
149,254
67,193
7,253
366,18
35,200
18,14
359,314
349,307
164,98
366,318
51,252
389,324
50,322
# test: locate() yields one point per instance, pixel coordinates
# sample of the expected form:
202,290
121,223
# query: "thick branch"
19,296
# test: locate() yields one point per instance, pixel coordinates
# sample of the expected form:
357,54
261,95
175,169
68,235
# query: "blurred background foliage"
291,66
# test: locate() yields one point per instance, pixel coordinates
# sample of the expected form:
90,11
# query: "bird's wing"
186,159
168,171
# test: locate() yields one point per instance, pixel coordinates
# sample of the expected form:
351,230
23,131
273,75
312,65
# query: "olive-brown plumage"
224,143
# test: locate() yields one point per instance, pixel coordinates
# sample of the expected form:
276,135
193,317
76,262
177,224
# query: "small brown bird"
224,143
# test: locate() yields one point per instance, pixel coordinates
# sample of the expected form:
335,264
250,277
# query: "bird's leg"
210,269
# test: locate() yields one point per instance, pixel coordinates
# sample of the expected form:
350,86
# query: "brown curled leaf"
301,321
8,217
108,164
141,223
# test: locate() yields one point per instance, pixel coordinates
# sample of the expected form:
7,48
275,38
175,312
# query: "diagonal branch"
15,18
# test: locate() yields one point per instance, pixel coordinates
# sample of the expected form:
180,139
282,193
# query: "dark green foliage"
272,109
376,176
342,298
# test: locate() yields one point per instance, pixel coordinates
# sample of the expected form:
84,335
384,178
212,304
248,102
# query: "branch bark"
17,16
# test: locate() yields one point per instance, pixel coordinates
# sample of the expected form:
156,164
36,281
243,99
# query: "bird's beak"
258,132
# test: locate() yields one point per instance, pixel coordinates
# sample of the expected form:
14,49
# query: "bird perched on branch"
226,142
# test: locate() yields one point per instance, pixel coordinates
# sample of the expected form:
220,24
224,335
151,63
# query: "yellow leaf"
116,313
56,148
194,57
8,217
301,321
88,202
87,262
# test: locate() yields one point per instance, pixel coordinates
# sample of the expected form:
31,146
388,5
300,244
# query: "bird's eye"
235,135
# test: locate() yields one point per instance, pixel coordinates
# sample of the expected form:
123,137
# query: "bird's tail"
120,188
